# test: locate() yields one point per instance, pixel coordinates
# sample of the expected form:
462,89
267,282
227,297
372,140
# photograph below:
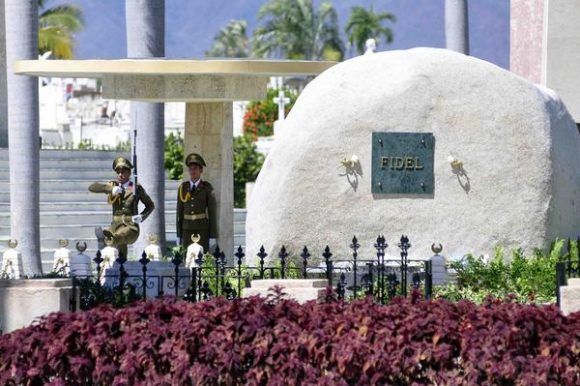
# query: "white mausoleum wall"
519,147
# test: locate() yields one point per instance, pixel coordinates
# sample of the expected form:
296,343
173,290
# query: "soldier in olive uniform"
196,206
121,195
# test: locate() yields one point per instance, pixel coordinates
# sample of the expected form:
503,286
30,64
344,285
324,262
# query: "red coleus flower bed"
279,342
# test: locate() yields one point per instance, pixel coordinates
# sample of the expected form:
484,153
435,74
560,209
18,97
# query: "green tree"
231,41
247,165
56,27
174,156
364,24
294,29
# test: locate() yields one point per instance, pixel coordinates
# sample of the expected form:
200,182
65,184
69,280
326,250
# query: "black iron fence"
567,269
348,278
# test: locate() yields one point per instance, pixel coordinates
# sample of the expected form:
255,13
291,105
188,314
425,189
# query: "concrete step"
47,154
87,232
80,206
68,231
51,244
301,295
80,172
76,185
79,196
265,284
66,163
56,219
240,214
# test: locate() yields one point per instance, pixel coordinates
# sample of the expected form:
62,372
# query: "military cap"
121,162
194,158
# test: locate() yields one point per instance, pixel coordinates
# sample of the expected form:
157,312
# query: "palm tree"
146,39
56,28
294,29
23,152
365,24
231,41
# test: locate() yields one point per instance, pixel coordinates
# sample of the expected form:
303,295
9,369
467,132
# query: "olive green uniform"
125,231
196,213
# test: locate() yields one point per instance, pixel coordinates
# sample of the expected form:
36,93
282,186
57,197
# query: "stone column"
24,151
146,39
560,53
3,96
526,38
209,132
456,26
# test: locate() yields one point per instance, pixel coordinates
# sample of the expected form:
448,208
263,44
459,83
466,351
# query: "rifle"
134,176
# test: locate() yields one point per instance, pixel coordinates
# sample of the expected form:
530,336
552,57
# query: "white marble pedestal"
23,301
301,290
570,297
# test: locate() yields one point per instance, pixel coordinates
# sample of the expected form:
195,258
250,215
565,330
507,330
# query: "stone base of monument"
23,301
301,290
570,297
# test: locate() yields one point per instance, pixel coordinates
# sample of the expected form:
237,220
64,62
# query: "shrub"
526,278
174,157
247,165
260,115
273,341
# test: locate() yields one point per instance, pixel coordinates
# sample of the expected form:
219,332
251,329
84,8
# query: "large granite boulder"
520,150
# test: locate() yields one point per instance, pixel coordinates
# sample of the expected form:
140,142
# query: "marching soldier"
124,199
196,206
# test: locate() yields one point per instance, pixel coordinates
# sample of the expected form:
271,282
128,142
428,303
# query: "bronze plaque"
402,163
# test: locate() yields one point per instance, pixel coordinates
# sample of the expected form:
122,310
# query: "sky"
190,25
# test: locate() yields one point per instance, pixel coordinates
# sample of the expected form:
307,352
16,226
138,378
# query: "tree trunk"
146,39
23,135
456,26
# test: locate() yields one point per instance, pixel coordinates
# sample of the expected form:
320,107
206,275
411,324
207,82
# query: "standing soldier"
196,206
121,195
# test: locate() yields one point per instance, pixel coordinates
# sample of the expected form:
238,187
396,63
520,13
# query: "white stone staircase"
68,210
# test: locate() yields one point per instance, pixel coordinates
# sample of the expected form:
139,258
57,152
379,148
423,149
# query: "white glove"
137,219
116,190
212,243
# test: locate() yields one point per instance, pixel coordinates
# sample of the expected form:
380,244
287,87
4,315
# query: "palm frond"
55,40
65,16
364,24
295,29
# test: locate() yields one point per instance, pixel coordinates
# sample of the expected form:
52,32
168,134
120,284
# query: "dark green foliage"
365,24
525,278
231,41
295,29
56,29
174,156
247,165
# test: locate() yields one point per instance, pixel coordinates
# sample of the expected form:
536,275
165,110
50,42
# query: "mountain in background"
192,24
